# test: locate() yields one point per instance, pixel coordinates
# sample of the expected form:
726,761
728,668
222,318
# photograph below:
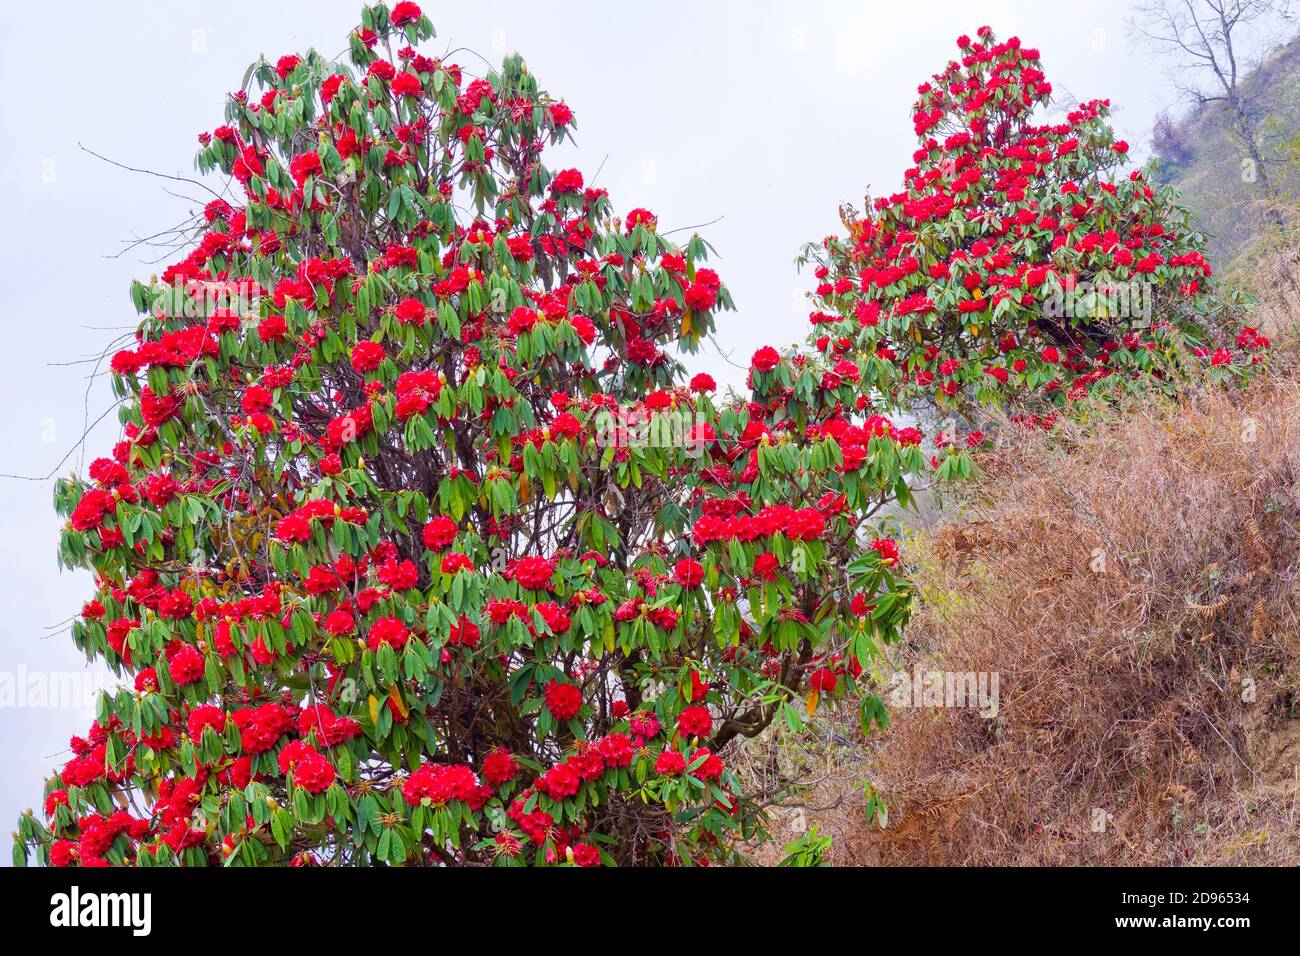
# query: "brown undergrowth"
1134,583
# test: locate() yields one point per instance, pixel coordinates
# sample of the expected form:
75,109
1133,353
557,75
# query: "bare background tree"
1216,46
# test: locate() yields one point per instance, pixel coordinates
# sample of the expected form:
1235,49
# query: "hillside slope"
1201,157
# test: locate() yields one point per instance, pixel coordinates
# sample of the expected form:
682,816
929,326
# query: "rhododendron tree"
1022,263
420,545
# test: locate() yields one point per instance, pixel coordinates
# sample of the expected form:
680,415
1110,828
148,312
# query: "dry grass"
1134,584
1268,268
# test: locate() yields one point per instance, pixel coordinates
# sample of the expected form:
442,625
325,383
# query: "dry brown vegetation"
1268,268
1134,581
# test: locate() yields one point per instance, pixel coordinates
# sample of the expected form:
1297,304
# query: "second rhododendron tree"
1022,263
421,545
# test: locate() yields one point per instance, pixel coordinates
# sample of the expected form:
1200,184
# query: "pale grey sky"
766,114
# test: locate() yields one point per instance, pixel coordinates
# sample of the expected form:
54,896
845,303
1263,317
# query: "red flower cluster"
563,700
439,533
442,783
388,631
310,769
797,524
534,574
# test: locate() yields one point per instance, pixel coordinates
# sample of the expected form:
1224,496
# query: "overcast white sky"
762,115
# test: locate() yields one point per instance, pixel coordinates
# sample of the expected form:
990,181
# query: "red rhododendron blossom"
185,665
405,12
694,722
688,573
366,356
534,573
499,768
766,359
563,700
439,784
887,549
670,763
387,631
